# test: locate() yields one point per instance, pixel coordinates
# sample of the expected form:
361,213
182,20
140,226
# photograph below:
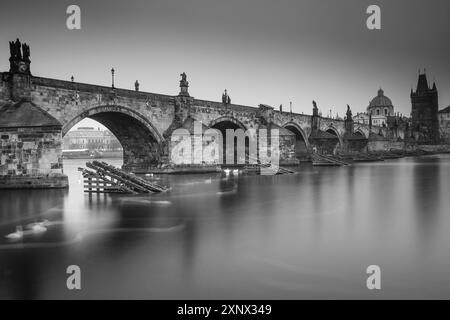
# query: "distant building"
380,113
92,139
424,113
361,118
380,107
444,123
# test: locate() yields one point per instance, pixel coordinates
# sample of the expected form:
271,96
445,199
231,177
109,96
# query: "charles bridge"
143,121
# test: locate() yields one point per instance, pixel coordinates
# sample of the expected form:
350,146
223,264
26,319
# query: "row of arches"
142,142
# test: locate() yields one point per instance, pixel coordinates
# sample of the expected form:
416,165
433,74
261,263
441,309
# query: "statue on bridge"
26,52
184,84
19,57
226,98
315,109
183,77
349,113
15,50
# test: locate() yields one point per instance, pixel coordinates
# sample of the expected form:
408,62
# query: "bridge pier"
30,138
30,148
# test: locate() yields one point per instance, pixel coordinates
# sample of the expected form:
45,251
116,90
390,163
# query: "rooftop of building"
446,110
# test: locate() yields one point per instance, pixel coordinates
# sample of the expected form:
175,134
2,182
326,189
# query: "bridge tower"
424,113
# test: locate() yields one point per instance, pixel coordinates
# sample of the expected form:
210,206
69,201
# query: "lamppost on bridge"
112,74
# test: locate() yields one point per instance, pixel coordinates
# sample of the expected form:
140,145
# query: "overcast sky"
262,51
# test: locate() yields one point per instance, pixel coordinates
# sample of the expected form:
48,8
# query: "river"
308,235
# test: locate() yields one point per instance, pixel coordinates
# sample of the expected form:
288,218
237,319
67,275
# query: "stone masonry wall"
384,146
30,151
4,91
67,101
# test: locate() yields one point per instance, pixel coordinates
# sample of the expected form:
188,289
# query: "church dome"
380,100
381,105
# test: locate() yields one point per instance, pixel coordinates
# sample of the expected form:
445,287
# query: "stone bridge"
143,121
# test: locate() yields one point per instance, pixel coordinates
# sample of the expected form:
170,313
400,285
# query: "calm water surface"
309,235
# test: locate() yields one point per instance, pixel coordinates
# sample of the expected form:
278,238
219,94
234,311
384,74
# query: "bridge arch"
360,132
89,113
332,130
295,128
229,119
140,140
224,123
301,139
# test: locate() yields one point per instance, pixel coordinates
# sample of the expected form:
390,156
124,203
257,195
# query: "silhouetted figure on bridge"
349,113
226,98
184,84
26,52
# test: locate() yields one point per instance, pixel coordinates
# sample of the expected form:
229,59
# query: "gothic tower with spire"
424,113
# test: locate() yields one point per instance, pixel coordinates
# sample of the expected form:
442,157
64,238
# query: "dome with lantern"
380,105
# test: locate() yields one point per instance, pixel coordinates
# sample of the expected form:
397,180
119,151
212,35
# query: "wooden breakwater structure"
102,177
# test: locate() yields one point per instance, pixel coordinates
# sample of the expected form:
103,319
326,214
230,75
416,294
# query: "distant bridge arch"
295,128
302,141
360,132
334,131
229,119
224,123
